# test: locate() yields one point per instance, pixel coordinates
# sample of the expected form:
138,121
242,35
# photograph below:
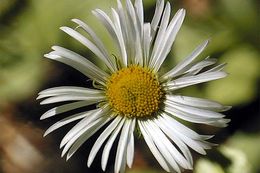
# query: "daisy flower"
131,94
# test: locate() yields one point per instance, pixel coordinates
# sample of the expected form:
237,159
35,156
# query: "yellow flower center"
134,92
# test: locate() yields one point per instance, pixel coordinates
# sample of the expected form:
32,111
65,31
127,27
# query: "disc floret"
134,91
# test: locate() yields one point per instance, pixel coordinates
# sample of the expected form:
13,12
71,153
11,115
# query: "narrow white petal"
171,122
182,66
127,31
140,15
194,110
65,108
176,155
121,13
122,146
160,35
189,117
101,139
65,121
109,144
198,102
66,89
197,144
157,16
130,145
219,67
169,38
191,143
84,135
120,37
111,28
138,30
220,123
106,21
79,63
86,42
196,68
66,53
160,143
181,145
175,126
156,153
92,116
74,97
147,43
98,43
70,90
192,80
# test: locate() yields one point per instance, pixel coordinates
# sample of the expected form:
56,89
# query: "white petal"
156,153
171,122
63,90
120,37
128,32
157,16
86,42
64,108
219,67
92,116
190,117
147,43
137,34
74,97
196,68
130,145
193,143
98,43
177,156
198,102
160,143
65,121
109,144
122,146
66,53
220,123
193,110
79,63
101,139
106,21
160,35
192,80
182,66
122,17
84,135
171,134
140,14
169,38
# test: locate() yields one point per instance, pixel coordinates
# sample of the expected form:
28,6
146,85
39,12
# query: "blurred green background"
29,28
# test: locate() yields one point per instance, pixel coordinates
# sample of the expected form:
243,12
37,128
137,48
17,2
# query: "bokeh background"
28,28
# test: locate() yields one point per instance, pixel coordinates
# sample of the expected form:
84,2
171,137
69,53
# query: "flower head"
132,93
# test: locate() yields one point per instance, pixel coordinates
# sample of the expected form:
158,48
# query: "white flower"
131,94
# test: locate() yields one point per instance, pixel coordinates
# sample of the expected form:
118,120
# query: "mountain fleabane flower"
131,94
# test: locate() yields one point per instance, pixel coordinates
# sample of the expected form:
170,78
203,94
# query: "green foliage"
24,41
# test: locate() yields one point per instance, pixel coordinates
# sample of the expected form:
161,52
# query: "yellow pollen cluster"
134,92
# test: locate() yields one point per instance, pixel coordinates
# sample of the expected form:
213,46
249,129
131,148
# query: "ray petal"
109,144
65,108
150,143
101,139
109,62
184,64
122,145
